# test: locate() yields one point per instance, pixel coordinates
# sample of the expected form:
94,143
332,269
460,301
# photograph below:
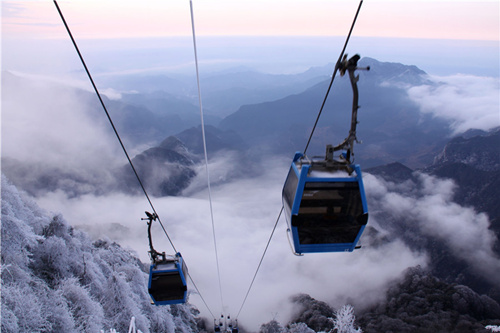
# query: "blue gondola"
167,274
325,206
324,200
167,281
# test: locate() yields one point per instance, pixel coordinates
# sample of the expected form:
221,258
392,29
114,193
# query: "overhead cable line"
206,154
337,65
111,122
260,262
204,302
121,142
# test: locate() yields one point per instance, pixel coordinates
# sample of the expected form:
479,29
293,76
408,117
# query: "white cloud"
67,81
245,211
468,102
429,206
463,229
47,123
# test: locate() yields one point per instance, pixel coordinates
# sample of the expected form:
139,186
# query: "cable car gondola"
324,199
167,274
232,327
218,326
167,281
325,206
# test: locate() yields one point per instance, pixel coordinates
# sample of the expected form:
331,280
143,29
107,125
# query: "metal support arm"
350,66
155,255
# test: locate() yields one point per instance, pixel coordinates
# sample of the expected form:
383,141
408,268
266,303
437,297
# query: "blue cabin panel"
326,209
167,282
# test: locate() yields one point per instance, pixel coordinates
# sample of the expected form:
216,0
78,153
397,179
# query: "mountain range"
475,187
403,148
391,127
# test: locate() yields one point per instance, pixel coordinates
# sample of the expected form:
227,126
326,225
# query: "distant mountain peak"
394,72
173,143
392,172
165,170
217,139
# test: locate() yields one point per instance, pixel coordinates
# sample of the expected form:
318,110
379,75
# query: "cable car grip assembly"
345,159
156,257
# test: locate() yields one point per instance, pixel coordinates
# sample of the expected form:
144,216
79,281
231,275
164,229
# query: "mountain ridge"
388,126
475,187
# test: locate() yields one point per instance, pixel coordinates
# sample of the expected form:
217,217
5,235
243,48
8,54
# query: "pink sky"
476,20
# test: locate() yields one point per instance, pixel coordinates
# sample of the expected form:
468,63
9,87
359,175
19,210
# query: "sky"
445,19
456,41
438,36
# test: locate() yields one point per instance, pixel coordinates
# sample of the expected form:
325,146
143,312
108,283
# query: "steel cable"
121,142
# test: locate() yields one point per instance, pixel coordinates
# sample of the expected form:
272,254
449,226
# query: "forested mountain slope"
55,279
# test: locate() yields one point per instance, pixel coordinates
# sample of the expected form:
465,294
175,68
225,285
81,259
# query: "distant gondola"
167,274
167,281
325,206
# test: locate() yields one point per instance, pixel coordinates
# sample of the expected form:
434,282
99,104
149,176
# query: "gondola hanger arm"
349,66
155,255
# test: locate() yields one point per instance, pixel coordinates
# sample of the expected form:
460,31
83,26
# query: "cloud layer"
245,211
428,206
45,122
54,127
468,102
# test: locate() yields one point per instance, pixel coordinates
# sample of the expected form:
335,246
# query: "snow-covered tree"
344,320
299,328
314,313
86,311
272,327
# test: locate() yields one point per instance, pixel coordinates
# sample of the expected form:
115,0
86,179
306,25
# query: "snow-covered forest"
56,279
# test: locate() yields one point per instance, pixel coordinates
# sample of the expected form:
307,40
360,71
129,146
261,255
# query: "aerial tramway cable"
205,149
111,121
337,66
121,143
206,154
260,263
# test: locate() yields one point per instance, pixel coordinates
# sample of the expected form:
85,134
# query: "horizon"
268,54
